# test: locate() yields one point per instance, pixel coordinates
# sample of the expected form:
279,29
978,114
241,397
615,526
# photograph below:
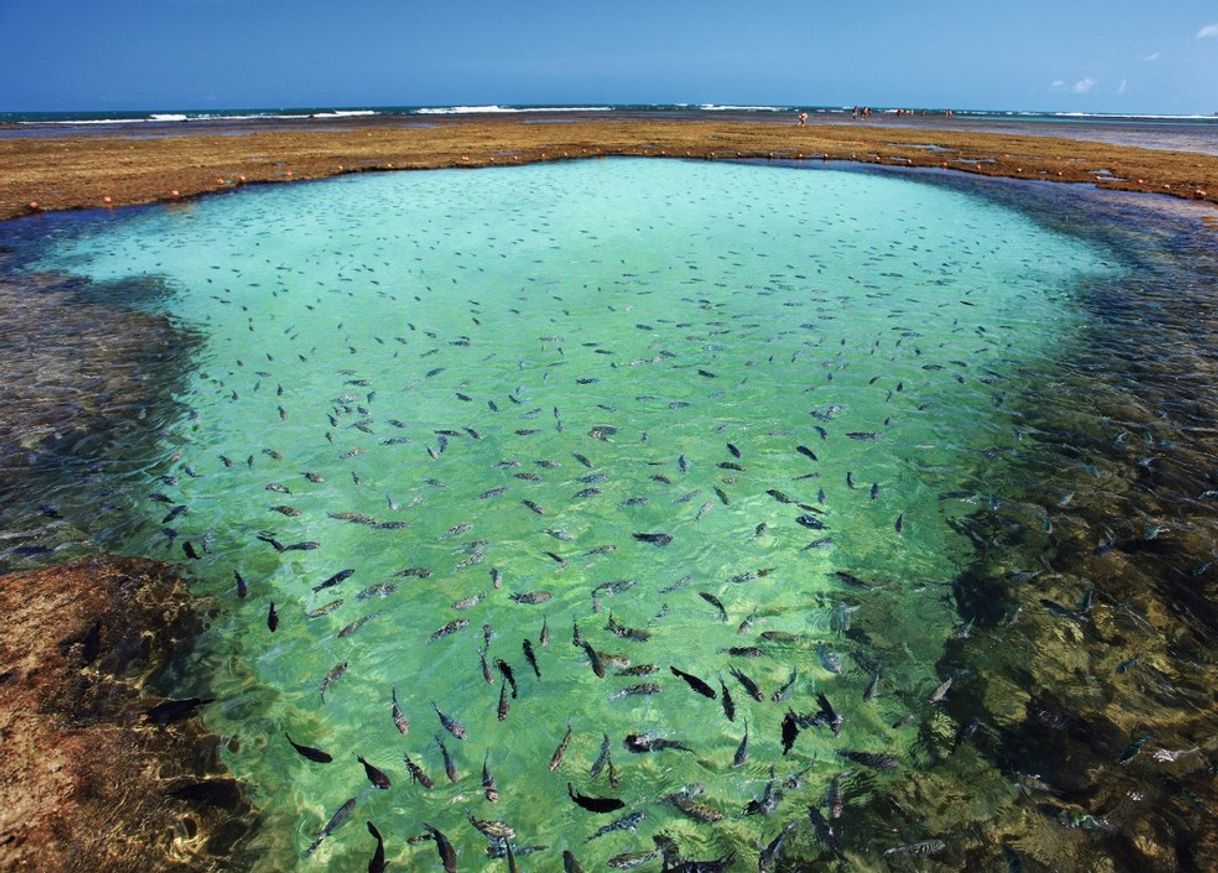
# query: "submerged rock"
89,783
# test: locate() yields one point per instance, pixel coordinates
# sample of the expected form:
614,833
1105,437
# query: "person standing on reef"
803,120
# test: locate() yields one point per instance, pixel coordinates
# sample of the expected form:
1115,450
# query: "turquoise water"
419,341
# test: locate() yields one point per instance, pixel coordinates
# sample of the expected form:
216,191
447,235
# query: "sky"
1135,56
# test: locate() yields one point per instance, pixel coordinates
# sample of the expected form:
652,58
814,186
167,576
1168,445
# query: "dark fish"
376,776
505,669
748,684
656,539
811,522
311,753
377,862
790,731
640,743
531,657
448,855
544,636
598,666
175,710
450,768
965,731
594,804
627,633
769,855
829,714
242,588
272,618
334,580
556,758
569,864
189,550
451,725
451,628
715,602
899,525
694,682
742,750
729,705
336,821
489,788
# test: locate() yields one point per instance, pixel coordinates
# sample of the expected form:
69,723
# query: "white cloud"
1082,86
1208,30
1152,57
1123,88
1057,85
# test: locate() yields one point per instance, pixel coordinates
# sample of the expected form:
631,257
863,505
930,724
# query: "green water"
687,305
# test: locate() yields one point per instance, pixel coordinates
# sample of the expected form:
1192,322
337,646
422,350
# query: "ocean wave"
479,110
727,107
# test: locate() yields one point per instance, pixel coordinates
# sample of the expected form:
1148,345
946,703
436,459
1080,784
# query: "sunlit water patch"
446,397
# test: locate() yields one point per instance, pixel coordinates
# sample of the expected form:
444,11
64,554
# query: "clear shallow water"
686,305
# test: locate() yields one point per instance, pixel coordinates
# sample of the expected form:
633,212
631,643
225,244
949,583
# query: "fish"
769,855
399,718
531,657
468,602
336,821
742,750
627,860
544,636
416,773
311,753
829,714
640,743
504,706
811,522
569,864
828,660
899,524
748,684
448,855
324,609
451,725
629,822
594,804
790,731
489,788
451,628
873,688
656,539
715,602
787,687
693,808
598,666
602,758
357,624
556,758
381,589
505,669
643,688
824,831
417,572
729,705
492,830
966,730
376,776
694,682
450,768
940,692
272,618
242,588
535,507
333,676
334,580
377,864
918,850
627,633
532,597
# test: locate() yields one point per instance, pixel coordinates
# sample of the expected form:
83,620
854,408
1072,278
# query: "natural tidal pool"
804,436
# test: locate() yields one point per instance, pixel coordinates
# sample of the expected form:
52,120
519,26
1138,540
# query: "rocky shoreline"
92,781
49,173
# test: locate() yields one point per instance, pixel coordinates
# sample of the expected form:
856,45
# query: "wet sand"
119,168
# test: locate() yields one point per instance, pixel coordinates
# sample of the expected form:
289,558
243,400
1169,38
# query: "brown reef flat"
88,783
58,173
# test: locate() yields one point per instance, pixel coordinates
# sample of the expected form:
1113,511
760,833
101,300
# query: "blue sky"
1112,56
